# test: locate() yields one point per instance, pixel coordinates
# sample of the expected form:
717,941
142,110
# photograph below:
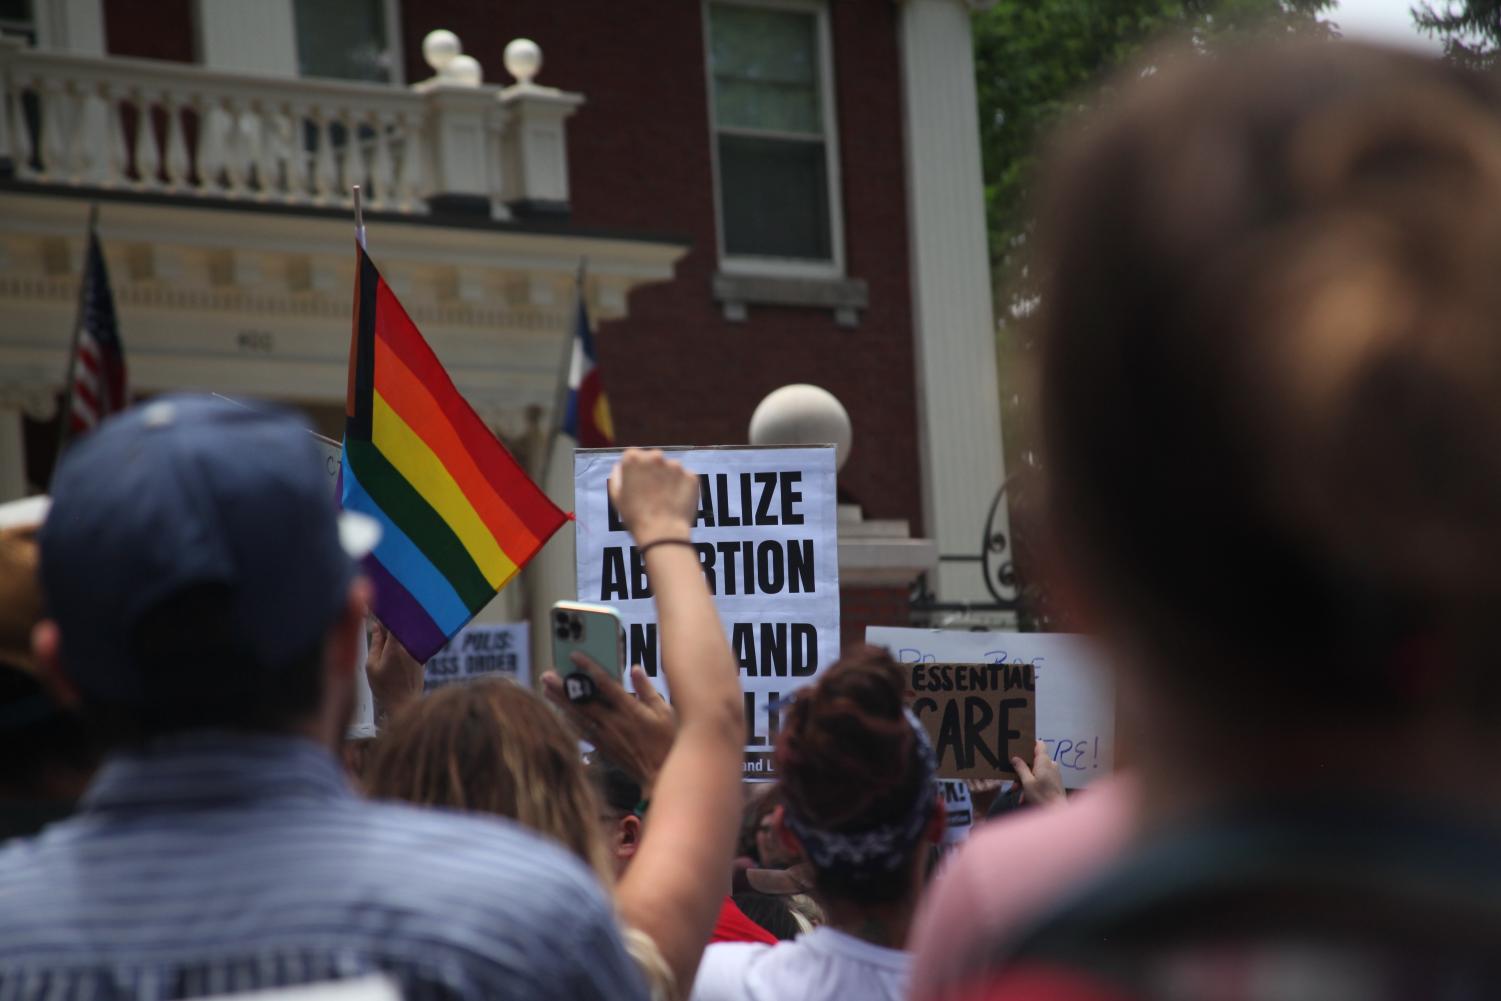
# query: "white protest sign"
362,726
1075,691
959,813
480,650
767,540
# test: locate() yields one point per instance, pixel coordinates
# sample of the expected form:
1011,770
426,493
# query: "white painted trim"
393,43
778,267
790,267
808,137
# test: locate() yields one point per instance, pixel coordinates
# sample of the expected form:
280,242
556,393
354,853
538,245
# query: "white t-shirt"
823,963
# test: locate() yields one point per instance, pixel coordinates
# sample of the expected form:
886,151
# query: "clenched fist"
656,497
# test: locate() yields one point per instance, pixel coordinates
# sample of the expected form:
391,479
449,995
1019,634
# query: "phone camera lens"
576,628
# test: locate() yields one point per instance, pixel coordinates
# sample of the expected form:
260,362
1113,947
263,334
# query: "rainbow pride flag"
459,516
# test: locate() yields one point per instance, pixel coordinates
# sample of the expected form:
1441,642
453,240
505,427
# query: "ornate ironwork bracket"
997,569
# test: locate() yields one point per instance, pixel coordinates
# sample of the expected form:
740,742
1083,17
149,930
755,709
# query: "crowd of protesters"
1269,404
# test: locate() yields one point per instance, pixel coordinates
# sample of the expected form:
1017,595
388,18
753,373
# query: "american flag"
97,370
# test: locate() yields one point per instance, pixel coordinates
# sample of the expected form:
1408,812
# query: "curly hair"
846,761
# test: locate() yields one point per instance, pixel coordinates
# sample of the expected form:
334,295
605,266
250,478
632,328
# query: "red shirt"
734,926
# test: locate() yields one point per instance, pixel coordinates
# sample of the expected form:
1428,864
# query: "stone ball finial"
439,49
523,60
803,414
464,71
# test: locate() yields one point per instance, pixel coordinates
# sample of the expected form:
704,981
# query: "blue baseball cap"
188,490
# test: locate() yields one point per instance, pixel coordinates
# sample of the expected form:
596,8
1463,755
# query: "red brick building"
767,192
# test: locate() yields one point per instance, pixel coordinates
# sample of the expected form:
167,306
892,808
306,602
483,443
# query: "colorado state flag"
586,416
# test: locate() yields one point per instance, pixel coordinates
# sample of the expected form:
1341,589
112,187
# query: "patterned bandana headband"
881,849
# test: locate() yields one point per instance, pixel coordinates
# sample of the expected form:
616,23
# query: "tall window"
346,40
774,136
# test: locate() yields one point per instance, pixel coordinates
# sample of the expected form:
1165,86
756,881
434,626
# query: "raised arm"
674,886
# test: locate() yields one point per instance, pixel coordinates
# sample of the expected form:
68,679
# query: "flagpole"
71,375
559,400
359,218
560,397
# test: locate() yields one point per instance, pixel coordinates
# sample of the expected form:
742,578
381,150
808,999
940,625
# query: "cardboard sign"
1075,704
767,541
978,716
478,651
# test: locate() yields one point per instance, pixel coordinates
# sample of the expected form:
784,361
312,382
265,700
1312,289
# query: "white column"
460,120
258,37
959,408
535,145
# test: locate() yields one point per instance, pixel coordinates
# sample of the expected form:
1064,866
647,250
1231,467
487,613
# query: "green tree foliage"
1469,29
1035,61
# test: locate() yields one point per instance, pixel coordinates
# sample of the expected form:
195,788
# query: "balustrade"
175,129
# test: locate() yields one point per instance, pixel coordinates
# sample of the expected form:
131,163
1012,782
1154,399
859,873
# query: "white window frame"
288,58
393,44
784,267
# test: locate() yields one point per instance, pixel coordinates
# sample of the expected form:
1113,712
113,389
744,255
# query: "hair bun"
845,752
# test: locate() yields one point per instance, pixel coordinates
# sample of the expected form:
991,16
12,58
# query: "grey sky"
1388,21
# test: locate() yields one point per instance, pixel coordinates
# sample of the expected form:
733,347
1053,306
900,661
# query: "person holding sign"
859,781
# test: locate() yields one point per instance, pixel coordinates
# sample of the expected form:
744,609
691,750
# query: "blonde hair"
491,746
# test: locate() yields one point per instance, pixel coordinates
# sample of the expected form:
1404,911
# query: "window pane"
776,197
15,11
343,39
765,66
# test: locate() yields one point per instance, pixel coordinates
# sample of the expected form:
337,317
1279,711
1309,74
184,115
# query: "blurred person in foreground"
47,752
980,893
496,747
1271,411
860,802
205,608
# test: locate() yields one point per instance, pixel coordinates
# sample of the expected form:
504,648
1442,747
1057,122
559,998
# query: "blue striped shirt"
221,863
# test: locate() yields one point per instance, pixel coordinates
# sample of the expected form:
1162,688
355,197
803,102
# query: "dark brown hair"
1271,374
491,746
845,759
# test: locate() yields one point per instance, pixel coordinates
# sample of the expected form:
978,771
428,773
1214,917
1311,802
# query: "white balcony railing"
151,126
